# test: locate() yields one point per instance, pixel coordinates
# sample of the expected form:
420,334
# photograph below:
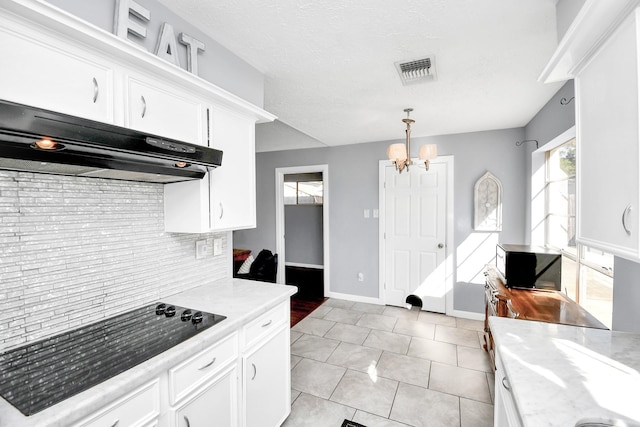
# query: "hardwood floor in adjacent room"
302,307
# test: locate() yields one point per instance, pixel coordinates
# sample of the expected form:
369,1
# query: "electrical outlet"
375,213
201,249
217,247
367,213
360,277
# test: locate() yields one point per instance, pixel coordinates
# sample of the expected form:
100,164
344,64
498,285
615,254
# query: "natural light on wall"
477,250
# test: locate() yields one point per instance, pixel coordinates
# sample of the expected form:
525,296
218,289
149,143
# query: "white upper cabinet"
226,198
42,71
56,61
155,108
233,191
607,145
600,51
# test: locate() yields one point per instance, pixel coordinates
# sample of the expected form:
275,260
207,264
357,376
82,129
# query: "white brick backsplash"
75,250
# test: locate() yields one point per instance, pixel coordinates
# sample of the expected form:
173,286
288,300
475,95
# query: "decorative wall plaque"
488,203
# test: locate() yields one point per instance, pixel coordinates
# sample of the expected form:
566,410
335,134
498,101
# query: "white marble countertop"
562,374
237,299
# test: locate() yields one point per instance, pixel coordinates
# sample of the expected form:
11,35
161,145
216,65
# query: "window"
587,274
303,189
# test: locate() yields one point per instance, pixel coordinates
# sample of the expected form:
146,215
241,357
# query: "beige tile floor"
385,366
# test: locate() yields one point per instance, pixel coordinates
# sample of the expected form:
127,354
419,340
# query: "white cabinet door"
226,198
233,192
505,410
267,394
607,146
35,71
215,405
155,108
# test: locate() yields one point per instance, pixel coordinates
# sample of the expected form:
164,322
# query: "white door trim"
448,161
280,173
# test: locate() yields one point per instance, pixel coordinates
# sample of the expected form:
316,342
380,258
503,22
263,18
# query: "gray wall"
303,234
626,295
353,187
216,64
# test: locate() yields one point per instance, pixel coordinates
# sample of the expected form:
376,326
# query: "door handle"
207,365
187,421
255,371
625,218
144,106
96,90
221,210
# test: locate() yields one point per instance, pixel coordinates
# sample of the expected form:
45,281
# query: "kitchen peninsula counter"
560,374
241,301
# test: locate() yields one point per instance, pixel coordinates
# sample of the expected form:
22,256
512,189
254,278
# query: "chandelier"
400,154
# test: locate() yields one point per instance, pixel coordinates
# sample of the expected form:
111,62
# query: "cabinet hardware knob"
440,245
625,218
505,383
116,423
255,371
96,90
186,419
207,365
267,324
144,106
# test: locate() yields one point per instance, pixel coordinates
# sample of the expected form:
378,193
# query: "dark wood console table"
530,304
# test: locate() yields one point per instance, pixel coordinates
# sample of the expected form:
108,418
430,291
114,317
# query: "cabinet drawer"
191,373
266,323
138,408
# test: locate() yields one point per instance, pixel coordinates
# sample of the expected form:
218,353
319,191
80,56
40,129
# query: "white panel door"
415,220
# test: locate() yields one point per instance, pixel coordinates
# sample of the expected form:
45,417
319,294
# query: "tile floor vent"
417,70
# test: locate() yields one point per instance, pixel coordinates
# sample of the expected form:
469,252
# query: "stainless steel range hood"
83,147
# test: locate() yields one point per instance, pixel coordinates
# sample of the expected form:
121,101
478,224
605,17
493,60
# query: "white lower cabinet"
505,410
215,404
266,385
267,395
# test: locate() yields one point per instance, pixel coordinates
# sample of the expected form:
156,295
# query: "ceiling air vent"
417,70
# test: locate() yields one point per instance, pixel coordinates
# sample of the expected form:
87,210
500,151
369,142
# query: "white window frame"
540,215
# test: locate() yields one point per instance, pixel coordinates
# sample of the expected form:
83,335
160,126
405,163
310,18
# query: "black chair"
264,268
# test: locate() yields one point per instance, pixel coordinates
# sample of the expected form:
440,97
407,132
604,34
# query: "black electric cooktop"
49,371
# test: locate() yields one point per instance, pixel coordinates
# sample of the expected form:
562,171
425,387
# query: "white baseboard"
472,315
355,298
370,300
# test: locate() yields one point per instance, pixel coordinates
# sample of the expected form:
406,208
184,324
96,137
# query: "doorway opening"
302,229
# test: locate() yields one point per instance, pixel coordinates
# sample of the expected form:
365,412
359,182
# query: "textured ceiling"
329,64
